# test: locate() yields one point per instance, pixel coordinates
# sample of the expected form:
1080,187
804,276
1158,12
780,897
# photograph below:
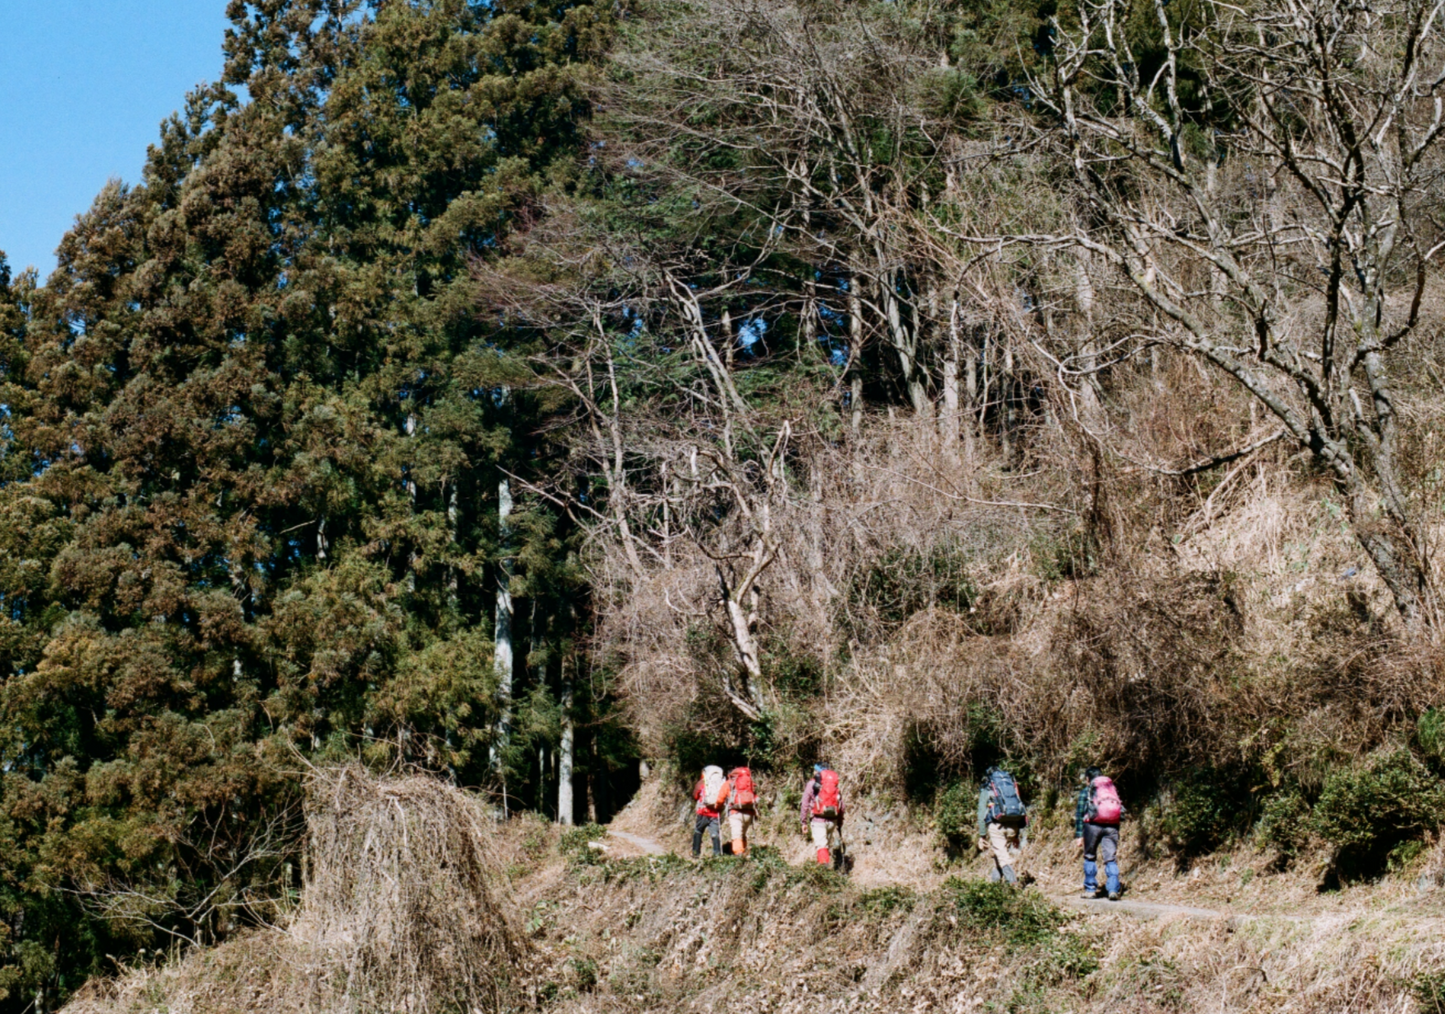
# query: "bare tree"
825,125
1265,181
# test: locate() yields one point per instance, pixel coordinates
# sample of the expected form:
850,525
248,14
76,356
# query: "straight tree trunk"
565,752
502,655
949,420
855,351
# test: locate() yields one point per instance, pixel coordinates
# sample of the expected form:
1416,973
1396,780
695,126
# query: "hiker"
1096,831
742,807
822,814
711,795
1002,822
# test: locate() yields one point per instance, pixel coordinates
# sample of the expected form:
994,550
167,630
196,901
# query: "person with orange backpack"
742,807
1096,831
711,795
822,814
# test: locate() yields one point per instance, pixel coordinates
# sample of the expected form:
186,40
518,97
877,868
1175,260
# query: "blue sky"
84,85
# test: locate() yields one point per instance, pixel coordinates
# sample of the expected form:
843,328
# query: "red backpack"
1104,804
745,797
827,803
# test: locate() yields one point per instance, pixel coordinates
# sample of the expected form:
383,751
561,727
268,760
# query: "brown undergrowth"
933,609
664,934
774,933
404,909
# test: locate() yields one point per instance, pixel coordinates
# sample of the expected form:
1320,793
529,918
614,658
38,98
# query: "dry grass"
404,900
645,936
405,909
1113,614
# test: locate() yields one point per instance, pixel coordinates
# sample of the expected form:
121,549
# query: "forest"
517,392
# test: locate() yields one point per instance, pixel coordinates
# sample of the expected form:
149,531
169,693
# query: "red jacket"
703,809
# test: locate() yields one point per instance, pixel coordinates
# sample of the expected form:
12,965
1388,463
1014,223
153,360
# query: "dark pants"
1101,842
710,825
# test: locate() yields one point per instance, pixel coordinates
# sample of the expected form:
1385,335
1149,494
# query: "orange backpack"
827,802
745,797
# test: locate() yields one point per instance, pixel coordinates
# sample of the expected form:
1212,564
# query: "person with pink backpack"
1096,832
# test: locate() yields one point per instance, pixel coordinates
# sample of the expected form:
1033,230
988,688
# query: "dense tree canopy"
253,431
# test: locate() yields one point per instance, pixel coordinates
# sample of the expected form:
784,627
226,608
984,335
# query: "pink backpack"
1104,801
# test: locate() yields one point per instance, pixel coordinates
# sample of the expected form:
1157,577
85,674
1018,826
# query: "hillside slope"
598,930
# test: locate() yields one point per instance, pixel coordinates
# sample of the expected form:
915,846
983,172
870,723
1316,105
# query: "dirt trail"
647,845
1138,909
1143,909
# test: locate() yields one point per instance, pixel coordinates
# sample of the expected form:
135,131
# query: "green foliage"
1024,920
1284,825
1370,818
1430,734
575,844
1065,556
1208,805
1019,918
584,972
884,901
249,455
1428,991
955,816
1364,814
794,674
870,906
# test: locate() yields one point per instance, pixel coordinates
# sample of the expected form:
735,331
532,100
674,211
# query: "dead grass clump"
404,906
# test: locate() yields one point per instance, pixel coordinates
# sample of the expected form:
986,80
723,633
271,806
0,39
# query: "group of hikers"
733,794
1003,820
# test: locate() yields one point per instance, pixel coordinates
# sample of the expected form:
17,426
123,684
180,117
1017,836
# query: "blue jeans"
1101,842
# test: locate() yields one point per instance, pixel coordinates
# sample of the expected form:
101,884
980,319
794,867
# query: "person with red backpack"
1096,831
822,814
711,795
742,807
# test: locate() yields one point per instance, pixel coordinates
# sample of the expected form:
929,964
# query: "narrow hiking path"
1144,909
647,845
1138,909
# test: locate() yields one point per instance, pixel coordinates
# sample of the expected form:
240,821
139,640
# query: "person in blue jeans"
1098,840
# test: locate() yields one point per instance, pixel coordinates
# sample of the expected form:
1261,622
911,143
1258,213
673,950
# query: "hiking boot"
1113,895
1091,895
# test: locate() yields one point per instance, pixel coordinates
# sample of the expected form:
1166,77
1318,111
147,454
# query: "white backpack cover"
712,787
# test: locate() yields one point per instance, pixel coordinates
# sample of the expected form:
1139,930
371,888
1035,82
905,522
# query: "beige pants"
740,823
1004,841
826,833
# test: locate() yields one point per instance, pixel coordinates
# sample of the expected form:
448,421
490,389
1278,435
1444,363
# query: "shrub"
574,843
1024,920
1284,825
1019,918
797,675
1364,814
1065,556
1208,806
1428,989
956,816
1430,734
886,900
907,580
